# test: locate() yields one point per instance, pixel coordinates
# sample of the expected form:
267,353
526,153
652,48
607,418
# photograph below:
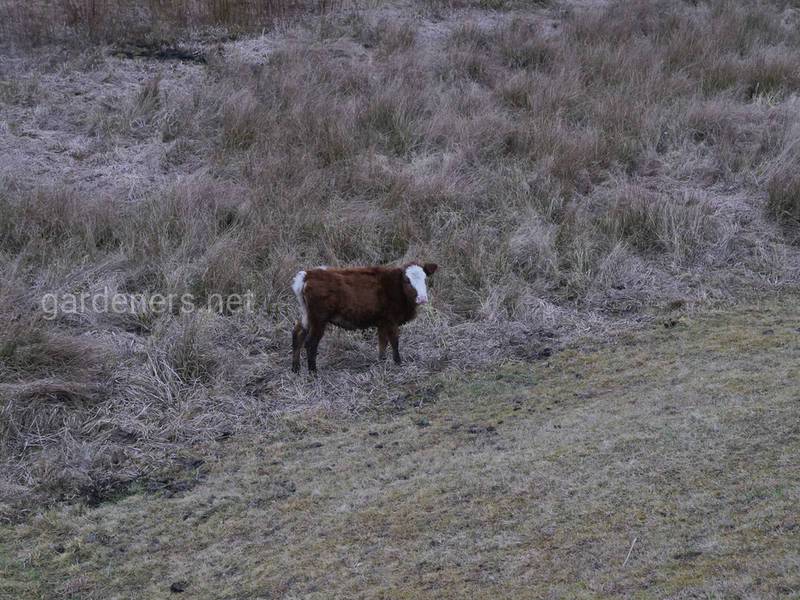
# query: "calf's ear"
430,268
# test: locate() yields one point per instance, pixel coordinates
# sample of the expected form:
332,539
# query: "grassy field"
659,464
592,403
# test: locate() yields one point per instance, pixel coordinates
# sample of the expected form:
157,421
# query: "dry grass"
40,22
784,195
571,170
783,184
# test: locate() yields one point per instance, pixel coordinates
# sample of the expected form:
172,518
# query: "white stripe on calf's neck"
416,275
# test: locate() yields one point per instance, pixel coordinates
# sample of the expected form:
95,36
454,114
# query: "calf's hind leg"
315,333
298,339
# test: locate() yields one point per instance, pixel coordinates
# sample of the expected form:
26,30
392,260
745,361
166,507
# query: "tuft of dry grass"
783,188
649,222
783,183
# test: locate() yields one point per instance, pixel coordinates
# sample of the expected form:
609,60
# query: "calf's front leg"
383,339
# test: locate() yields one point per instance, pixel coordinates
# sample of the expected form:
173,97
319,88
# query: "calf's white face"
416,276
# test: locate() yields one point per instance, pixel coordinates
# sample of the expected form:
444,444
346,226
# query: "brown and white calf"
357,298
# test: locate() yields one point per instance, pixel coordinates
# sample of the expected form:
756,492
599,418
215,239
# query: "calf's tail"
298,284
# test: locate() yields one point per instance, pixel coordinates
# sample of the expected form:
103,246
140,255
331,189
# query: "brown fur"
356,298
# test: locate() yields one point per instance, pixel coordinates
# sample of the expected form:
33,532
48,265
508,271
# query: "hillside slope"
659,464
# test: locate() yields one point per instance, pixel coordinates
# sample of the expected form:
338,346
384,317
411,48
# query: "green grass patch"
525,480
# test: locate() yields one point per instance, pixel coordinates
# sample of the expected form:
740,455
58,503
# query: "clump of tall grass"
783,194
653,223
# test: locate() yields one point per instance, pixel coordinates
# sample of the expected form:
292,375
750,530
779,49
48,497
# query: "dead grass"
100,21
784,195
683,228
572,171
783,184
